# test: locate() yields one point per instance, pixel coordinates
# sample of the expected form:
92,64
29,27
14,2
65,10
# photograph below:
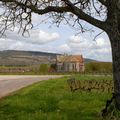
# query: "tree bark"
115,45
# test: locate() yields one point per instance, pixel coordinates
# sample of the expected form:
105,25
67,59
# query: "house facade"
70,63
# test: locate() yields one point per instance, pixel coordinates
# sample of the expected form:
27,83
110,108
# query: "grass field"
53,100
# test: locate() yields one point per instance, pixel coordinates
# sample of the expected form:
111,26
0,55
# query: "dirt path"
10,83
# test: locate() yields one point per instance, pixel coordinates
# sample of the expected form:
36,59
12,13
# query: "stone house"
70,63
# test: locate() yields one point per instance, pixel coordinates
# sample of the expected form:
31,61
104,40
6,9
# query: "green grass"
53,100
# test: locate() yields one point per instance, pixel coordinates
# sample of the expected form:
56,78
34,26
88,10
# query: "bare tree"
104,14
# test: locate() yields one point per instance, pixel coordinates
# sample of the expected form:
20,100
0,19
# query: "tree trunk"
115,45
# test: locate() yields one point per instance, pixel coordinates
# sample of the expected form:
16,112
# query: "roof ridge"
71,58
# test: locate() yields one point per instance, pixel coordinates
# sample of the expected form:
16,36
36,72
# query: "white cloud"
75,39
64,48
100,41
47,37
38,41
78,43
36,36
5,44
99,49
8,44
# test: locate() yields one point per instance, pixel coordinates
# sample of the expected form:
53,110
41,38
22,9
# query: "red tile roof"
70,58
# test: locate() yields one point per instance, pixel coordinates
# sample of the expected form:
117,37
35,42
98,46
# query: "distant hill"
7,53
23,58
87,60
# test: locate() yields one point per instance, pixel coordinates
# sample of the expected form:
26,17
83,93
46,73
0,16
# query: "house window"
67,67
73,67
79,67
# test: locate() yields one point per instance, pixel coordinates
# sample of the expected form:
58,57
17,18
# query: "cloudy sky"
49,38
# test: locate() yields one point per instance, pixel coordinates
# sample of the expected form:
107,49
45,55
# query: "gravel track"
11,83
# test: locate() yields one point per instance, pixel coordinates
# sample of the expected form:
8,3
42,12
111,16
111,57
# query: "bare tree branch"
78,12
98,35
44,7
